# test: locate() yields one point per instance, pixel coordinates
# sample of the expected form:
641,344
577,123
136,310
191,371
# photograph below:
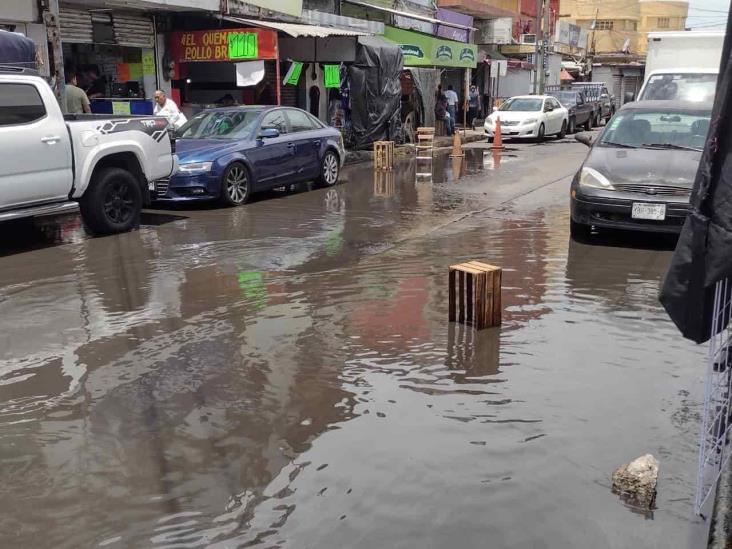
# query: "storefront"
453,60
113,55
232,66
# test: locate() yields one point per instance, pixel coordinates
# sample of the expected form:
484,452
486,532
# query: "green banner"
243,45
293,74
332,76
425,50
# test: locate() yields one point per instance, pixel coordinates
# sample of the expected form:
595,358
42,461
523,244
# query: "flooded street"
283,374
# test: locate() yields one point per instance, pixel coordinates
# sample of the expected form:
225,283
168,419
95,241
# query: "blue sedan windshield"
219,124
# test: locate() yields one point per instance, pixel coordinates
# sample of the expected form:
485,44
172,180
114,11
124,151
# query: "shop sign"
424,50
223,45
332,76
293,74
412,49
148,62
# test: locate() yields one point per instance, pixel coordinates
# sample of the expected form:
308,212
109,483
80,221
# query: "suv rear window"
20,104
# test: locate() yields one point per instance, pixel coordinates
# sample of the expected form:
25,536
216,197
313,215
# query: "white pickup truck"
51,164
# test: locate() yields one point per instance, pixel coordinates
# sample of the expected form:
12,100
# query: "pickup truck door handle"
317,142
50,139
291,145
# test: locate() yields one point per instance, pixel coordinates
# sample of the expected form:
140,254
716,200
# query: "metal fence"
714,447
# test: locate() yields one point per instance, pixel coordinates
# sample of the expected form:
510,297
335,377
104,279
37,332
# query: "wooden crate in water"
475,294
383,155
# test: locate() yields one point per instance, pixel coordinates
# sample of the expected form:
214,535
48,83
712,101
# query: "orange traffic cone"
457,149
497,137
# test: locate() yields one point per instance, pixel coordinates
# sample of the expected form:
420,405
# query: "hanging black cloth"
703,253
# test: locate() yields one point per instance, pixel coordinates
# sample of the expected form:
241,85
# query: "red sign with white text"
243,44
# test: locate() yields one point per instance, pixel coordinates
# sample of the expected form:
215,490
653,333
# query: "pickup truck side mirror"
584,138
629,97
269,133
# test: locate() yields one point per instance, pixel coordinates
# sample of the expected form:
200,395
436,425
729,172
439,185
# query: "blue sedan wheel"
329,169
235,185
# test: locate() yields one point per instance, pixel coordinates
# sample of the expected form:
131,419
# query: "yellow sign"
148,62
120,107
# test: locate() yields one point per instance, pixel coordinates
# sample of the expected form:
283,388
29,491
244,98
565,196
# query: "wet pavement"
283,374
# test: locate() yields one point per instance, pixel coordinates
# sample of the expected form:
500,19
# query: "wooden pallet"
383,155
475,294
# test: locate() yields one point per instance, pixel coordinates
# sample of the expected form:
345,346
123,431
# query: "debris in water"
635,482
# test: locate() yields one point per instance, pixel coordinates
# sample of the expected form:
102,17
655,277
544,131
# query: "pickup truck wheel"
113,201
572,125
235,186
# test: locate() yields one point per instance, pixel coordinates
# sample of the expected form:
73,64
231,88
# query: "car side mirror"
548,108
584,138
268,133
629,97
495,109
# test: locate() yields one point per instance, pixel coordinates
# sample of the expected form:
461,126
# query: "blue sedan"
229,153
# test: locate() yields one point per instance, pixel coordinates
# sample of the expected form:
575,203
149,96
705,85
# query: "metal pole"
545,45
537,45
51,18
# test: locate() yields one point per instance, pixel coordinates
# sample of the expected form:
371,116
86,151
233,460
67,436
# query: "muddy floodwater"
283,374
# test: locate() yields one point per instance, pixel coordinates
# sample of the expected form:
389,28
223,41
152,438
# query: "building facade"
622,26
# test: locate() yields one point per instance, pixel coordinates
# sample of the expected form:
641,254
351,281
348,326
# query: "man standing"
473,105
76,100
452,102
167,108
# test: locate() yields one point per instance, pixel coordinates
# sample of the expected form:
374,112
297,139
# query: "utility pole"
537,44
545,46
51,18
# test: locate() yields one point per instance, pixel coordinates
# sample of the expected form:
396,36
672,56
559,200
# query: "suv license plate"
642,210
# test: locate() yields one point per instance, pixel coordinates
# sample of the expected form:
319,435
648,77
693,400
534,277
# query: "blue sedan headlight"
195,167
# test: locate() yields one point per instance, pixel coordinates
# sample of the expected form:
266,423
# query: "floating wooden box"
424,147
475,294
383,155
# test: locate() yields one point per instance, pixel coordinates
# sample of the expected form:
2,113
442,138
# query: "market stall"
113,55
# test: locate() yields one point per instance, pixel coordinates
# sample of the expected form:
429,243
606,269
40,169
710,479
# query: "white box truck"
682,65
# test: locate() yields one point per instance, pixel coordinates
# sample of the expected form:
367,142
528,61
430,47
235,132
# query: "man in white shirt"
167,108
452,101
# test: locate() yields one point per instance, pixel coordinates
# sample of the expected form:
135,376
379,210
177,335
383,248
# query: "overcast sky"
707,13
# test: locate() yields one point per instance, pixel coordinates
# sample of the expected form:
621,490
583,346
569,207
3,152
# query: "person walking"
167,108
473,104
452,103
76,100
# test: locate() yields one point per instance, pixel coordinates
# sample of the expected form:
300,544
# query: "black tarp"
17,50
703,253
375,90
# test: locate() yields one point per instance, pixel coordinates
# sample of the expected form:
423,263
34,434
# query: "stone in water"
636,481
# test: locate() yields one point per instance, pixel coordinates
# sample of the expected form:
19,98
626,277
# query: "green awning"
421,50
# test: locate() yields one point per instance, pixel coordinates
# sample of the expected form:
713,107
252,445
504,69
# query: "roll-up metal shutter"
133,30
129,29
76,26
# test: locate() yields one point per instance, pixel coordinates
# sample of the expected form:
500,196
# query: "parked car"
227,154
51,164
598,94
581,112
532,116
640,171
